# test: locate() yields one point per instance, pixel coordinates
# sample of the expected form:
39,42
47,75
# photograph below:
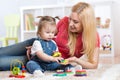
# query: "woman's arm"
12,52
86,63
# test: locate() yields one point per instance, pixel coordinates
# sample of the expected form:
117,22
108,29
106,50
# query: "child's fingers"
28,47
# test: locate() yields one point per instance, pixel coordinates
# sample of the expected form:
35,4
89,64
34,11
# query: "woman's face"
75,25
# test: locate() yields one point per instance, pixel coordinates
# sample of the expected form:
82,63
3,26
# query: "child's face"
48,32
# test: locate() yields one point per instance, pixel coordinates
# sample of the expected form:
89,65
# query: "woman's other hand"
72,61
28,52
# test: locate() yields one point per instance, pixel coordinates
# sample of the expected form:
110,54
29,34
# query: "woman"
76,36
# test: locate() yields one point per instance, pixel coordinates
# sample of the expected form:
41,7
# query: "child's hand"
57,59
28,51
64,62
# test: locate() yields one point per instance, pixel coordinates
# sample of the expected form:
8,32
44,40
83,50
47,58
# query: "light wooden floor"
107,66
109,60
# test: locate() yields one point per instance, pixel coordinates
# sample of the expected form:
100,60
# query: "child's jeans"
33,65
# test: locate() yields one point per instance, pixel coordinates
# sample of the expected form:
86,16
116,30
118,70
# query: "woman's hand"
28,51
72,61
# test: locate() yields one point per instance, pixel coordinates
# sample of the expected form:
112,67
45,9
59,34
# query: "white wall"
13,6
116,27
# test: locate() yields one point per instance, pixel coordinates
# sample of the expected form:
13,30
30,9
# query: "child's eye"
53,32
47,32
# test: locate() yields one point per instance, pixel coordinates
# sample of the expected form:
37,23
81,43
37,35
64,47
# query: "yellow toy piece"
56,54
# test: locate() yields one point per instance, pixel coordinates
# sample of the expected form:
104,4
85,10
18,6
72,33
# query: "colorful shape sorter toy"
80,73
17,69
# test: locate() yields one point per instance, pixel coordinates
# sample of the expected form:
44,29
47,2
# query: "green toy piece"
60,74
16,70
64,61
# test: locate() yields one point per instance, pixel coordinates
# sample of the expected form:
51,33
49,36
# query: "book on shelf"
29,22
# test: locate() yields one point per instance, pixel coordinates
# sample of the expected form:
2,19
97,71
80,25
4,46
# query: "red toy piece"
68,71
17,76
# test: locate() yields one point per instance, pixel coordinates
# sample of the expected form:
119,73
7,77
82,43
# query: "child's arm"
37,50
46,57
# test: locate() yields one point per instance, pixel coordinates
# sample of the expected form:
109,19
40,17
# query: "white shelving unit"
51,10
102,10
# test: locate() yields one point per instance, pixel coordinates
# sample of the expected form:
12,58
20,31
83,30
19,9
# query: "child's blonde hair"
43,21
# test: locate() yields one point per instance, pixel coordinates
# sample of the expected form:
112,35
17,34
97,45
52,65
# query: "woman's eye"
75,22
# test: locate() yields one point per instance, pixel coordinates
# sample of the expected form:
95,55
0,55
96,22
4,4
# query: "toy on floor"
80,73
73,69
69,71
17,69
60,73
